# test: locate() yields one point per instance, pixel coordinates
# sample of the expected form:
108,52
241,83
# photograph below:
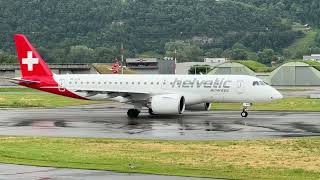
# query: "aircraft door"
61,85
241,88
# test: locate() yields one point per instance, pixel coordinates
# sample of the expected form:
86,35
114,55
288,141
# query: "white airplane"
161,94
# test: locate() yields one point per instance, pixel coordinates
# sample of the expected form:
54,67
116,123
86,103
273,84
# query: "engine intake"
168,104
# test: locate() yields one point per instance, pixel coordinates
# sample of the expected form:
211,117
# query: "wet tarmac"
110,121
18,172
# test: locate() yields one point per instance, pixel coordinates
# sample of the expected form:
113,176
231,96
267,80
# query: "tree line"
78,31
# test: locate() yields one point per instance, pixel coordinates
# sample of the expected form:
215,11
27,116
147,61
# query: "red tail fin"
31,63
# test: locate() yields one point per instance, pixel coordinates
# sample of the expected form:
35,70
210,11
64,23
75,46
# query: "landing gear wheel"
133,113
244,113
151,111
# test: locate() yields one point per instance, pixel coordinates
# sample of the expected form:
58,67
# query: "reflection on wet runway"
109,120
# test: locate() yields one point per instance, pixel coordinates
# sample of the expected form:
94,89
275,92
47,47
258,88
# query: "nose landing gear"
244,112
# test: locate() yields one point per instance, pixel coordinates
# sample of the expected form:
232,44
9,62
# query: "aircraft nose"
276,95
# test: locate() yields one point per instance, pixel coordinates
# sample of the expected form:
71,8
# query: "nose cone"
276,95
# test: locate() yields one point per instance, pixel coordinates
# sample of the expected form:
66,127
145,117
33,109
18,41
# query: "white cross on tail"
30,61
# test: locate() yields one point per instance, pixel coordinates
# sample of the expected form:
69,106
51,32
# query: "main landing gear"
151,111
244,112
133,113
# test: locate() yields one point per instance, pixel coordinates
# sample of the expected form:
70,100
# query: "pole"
175,61
122,58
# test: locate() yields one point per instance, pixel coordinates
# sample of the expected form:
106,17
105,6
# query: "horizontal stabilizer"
19,80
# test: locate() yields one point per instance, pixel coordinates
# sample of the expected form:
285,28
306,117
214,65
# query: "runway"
110,121
18,172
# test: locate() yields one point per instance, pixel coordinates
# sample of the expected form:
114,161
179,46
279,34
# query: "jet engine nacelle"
199,107
168,104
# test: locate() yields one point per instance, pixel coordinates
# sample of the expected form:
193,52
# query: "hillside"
92,31
303,46
306,12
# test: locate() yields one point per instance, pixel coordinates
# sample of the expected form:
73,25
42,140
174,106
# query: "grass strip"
296,158
24,100
285,104
17,89
39,100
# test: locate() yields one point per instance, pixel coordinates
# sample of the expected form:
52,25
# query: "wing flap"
112,91
129,95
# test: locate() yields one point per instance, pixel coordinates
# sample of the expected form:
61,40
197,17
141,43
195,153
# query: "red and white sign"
115,68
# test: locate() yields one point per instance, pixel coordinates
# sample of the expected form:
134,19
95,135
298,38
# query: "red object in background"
115,68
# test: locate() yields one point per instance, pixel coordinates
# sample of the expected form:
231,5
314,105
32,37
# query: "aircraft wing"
127,96
95,92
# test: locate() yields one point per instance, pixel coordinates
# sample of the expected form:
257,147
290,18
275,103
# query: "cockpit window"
255,83
262,83
259,83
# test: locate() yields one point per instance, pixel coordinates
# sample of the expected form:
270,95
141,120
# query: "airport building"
151,65
232,68
295,74
313,57
289,74
183,68
215,60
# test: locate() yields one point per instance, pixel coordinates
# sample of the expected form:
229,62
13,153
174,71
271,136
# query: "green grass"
38,100
256,66
45,100
246,159
291,90
314,64
286,104
302,43
17,89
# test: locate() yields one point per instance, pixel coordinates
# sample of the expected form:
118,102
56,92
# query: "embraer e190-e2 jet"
161,94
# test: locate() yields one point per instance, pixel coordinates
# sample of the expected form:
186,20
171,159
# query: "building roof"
141,60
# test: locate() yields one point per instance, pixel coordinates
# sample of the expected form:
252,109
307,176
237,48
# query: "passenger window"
145,83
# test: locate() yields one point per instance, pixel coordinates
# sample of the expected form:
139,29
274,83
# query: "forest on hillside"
78,31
